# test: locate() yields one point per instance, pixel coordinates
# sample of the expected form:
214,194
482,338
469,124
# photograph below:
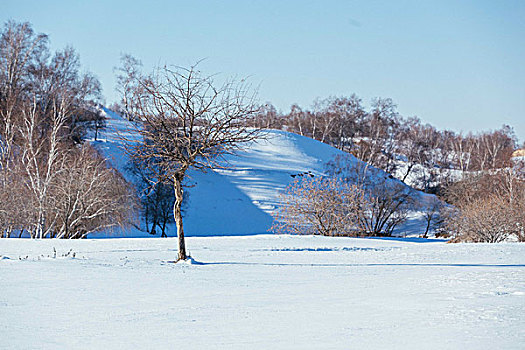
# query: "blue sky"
458,65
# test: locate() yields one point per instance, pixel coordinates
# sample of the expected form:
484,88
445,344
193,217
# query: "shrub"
320,205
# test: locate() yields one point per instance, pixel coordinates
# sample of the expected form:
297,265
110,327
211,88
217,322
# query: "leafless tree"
88,196
387,199
156,196
388,206
98,121
297,120
49,124
46,105
16,206
489,220
42,159
319,205
350,114
463,149
378,136
432,213
416,142
484,151
324,120
20,50
489,206
267,118
185,121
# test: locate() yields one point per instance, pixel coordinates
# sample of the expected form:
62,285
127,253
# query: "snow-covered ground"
261,292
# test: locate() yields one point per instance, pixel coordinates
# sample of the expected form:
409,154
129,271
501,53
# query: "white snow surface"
261,292
240,200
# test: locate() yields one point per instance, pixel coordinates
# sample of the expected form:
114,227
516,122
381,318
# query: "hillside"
239,200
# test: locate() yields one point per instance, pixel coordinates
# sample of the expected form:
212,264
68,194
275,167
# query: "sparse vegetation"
322,206
489,207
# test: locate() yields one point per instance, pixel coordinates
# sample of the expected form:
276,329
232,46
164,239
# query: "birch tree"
46,105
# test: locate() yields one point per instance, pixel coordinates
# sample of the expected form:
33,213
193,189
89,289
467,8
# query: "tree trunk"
408,171
163,234
40,224
429,220
177,214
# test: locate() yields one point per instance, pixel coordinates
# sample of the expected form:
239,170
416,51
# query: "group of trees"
55,185
52,184
436,161
488,206
155,194
416,153
326,206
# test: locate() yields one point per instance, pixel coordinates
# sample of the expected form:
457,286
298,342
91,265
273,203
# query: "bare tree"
297,119
350,114
489,206
388,206
267,118
489,220
97,121
46,105
185,121
156,196
49,124
416,142
42,159
378,135
432,210
17,205
88,196
20,50
324,119
388,200
319,205
463,148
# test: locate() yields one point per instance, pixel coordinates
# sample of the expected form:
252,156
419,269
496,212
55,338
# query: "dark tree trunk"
408,171
428,227
163,228
177,214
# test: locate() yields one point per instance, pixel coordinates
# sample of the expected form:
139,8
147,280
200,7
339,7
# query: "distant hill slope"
240,200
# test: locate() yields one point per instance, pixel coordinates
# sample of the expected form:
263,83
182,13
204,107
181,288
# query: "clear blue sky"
458,65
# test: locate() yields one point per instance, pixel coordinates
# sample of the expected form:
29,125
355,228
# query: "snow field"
260,292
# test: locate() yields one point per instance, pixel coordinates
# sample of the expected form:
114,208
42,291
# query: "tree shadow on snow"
325,249
360,265
408,239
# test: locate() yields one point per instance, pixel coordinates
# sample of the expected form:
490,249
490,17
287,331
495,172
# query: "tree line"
473,172
52,183
384,139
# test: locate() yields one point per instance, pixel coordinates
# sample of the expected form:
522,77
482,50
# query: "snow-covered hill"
240,199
